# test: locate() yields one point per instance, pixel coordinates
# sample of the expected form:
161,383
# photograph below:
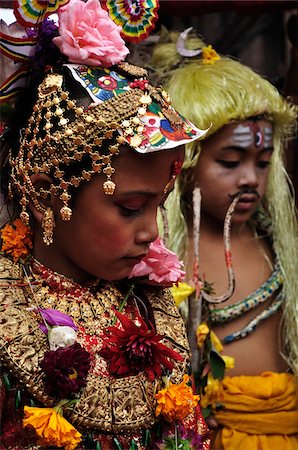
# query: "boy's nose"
249,178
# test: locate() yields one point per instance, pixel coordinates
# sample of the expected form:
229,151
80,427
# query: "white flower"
61,337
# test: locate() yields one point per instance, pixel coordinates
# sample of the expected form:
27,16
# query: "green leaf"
146,438
206,411
217,365
117,445
18,399
133,445
6,381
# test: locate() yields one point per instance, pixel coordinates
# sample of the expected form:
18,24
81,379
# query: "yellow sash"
261,413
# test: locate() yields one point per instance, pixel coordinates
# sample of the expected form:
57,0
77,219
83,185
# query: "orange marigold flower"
176,401
51,428
209,55
16,239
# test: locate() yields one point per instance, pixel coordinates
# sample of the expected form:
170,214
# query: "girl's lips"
133,260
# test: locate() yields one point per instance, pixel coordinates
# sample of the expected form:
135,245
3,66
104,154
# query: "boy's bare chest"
252,263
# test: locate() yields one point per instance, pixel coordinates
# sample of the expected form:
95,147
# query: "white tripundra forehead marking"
268,137
243,136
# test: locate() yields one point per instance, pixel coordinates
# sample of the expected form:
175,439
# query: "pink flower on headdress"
88,36
160,265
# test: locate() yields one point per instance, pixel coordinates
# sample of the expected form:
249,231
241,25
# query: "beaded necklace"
263,293
270,288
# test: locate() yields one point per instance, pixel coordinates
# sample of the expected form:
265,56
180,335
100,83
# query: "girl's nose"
148,232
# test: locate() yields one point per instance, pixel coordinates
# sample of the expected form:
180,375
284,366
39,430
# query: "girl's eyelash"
129,212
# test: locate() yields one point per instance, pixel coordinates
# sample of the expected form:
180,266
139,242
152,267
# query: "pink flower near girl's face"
88,36
160,265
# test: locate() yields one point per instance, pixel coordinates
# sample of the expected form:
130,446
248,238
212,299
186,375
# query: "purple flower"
187,440
55,318
46,52
66,370
195,440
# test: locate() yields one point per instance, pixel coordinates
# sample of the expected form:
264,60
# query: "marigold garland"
51,428
176,401
16,239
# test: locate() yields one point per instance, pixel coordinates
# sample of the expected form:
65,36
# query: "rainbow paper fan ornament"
136,17
31,12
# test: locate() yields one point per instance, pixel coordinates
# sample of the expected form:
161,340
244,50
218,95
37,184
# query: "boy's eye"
263,164
227,163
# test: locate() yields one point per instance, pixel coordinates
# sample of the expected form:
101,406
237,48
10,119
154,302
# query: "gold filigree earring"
47,225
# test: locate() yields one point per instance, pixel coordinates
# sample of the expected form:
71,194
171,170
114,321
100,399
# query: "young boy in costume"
245,303
92,356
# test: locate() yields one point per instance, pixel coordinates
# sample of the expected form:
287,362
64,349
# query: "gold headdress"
61,132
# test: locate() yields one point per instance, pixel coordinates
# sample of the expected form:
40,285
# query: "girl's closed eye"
130,212
228,163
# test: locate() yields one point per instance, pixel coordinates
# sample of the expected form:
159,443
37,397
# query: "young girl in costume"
94,352
231,217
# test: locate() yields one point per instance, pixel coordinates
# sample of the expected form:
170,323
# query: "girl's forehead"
153,168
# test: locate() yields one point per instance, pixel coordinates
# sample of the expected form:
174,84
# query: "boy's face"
108,234
235,158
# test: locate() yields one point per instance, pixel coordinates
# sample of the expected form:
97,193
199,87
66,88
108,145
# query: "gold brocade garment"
107,406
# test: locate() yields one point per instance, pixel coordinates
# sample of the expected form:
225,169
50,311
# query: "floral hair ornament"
208,54
88,36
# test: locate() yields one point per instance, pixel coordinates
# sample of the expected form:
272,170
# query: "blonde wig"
213,95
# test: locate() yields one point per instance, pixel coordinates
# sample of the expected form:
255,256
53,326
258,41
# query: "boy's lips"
248,198
246,204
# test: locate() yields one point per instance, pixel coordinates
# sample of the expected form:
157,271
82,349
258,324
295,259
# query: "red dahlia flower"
66,370
136,348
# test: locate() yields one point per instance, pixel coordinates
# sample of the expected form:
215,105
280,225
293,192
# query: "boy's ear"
40,181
